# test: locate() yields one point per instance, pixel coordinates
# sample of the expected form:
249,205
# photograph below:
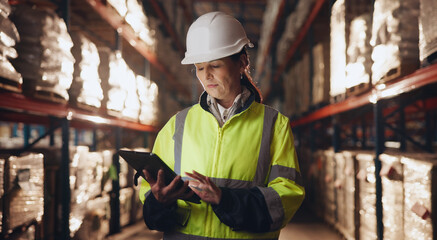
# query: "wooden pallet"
358,89
398,72
338,98
48,96
10,85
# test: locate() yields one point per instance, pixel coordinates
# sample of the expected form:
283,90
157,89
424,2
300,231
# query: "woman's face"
221,79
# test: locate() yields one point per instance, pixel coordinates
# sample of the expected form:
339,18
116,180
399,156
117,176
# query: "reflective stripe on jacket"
253,149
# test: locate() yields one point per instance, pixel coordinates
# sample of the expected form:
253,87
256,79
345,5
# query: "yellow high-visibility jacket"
251,158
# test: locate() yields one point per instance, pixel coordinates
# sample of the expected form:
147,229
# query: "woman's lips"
212,85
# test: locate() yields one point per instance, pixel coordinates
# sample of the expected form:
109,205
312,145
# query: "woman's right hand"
170,193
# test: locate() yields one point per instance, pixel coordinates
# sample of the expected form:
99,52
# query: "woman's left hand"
204,188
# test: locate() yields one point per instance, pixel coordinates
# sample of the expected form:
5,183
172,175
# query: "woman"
235,153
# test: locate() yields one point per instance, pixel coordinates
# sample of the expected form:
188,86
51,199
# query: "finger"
174,184
199,176
148,177
160,178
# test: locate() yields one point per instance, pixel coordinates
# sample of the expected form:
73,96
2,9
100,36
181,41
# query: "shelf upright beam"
65,180
115,195
379,149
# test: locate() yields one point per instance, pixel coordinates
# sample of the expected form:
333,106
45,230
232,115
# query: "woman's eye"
216,66
200,69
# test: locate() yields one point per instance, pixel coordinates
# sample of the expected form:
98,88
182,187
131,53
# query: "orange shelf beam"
416,80
31,107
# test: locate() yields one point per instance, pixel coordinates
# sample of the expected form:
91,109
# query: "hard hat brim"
207,57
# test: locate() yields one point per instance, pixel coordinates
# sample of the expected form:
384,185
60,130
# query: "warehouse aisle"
304,226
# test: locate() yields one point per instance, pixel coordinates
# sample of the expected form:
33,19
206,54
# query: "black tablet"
152,163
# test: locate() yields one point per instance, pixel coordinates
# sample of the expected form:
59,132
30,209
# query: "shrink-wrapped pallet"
351,196
420,186
126,195
395,39
320,74
340,194
2,172
8,39
86,88
359,60
342,13
367,195
26,189
329,192
132,105
148,95
293,25
44,57
116,94
392,202
96,221
428,31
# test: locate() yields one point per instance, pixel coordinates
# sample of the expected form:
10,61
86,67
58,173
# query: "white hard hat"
213,36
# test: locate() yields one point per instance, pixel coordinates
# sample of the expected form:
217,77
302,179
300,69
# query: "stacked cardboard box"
428,31
330,200
351,222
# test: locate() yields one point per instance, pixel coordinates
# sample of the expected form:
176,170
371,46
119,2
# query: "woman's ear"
244,62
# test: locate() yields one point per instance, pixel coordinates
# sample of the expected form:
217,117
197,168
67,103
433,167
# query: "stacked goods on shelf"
303,84
85,89
148,94
139,22
10,79
419,172
269,18
359,51
350,230
290,90
320,91
25,188
428,32
124,177
319,184
293,24
109,171
395,39
392,202
126,195
367,195
329,178
116,95
132,106
44,57
96,221
86,173
339,184
2,172
341,16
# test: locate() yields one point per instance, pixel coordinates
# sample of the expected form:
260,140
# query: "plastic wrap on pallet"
293,24
148,95
290,92
395,36
132,105
350,188
338,49
367,195
126,195
95,224
392,189
340,193
320,74
330,202
427,28
44,57
8,40
419,191
269,18
139,22
116,94
2,172
86,87
359,51
26,188
302,72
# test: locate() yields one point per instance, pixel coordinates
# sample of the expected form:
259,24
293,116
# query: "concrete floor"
304,226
